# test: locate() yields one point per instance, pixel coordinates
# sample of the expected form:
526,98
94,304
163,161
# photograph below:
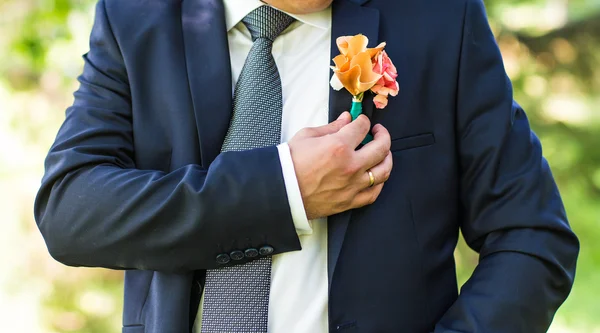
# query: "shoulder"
137,7
423,10
131,19
136,12
430,19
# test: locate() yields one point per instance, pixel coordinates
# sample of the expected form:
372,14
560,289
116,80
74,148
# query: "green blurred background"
551,50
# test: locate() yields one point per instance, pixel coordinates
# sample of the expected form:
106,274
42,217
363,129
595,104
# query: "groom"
206,154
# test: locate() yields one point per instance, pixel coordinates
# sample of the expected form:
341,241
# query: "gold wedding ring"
371,178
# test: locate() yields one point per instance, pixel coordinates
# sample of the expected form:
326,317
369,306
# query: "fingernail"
342,115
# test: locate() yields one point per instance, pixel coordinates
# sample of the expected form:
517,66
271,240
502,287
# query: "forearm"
515,288
96,208
106,216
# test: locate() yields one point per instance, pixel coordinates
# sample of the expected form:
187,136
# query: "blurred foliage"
551,50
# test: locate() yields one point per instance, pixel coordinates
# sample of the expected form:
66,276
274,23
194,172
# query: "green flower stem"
356,111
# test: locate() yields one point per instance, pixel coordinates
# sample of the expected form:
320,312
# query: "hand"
332,175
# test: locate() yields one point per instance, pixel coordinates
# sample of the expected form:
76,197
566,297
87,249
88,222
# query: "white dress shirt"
299,287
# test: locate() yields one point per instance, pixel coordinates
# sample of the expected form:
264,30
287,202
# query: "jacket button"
223,259
237,255
266,250
251,253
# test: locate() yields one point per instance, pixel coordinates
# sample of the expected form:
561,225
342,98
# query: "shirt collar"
236,10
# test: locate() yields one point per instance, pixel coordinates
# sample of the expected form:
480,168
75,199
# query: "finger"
367,196
354,133
375,151
381,172
331,128
379,130
346,117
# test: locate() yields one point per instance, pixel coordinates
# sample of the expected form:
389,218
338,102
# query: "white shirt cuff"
301,222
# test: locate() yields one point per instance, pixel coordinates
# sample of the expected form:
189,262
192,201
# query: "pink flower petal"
387,85
380,101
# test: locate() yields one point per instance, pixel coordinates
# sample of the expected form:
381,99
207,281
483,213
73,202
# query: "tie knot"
267,22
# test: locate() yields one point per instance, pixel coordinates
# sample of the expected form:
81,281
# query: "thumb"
333,127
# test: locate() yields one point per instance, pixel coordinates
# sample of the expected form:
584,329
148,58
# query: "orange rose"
354,66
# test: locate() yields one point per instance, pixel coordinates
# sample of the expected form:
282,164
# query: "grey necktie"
236,298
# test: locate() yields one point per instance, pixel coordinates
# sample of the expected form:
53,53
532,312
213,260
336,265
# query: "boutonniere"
360,69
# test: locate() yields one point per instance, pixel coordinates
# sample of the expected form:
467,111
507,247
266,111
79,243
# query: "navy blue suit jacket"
135,180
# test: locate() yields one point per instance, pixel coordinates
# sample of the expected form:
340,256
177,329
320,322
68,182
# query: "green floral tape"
356,111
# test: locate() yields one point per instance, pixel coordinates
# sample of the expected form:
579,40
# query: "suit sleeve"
94,208
512,211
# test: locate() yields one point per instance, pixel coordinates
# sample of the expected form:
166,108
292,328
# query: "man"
170,164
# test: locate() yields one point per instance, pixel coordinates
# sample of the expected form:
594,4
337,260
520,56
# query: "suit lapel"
347,19
209,72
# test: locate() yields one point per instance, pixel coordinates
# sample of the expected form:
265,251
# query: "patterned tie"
236,298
